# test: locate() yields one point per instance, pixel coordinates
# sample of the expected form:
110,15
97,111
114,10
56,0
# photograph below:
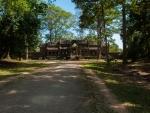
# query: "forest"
26,24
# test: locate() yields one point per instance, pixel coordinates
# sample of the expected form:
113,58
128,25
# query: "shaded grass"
134,96
95,102
14,68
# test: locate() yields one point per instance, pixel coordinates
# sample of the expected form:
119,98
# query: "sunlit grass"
132,95
13,68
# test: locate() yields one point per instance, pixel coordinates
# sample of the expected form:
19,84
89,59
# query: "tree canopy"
19,26
129,18
24,22
59,23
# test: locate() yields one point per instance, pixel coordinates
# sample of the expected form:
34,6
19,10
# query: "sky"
68,5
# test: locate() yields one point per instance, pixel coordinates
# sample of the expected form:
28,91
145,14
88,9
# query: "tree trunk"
50,36
26,49
124,33
105,37
99,37
45,51
27,53
107,49
19,57
8,54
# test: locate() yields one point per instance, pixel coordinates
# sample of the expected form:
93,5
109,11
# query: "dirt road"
59,88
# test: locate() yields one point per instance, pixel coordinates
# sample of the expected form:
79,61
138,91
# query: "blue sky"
69,6
66,5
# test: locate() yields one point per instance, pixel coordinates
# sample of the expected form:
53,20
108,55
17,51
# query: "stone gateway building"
69,49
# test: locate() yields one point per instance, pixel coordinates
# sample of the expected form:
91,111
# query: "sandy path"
55,90
59,88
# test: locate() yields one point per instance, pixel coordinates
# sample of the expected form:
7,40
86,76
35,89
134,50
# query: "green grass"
95,102
135,96
14,68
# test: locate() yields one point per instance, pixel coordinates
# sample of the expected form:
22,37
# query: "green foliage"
139,31
19,26
58,22
91,10
113,47
106,18
99,15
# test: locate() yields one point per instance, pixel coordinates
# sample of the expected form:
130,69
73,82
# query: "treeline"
25,24
129,18
20,22
138,31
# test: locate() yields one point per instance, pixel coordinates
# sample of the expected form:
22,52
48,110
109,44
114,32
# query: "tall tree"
123,32
97,13
138,30
12,11
20,22
58,22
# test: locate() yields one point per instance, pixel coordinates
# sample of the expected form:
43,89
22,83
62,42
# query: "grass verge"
94,102
134,96
14,68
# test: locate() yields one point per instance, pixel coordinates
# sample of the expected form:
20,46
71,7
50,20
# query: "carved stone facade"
70,49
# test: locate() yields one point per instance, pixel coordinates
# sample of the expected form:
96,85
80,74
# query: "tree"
138,30
11,12
20,24
31,25
90,18
97,13
58,22
123,32
113,47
